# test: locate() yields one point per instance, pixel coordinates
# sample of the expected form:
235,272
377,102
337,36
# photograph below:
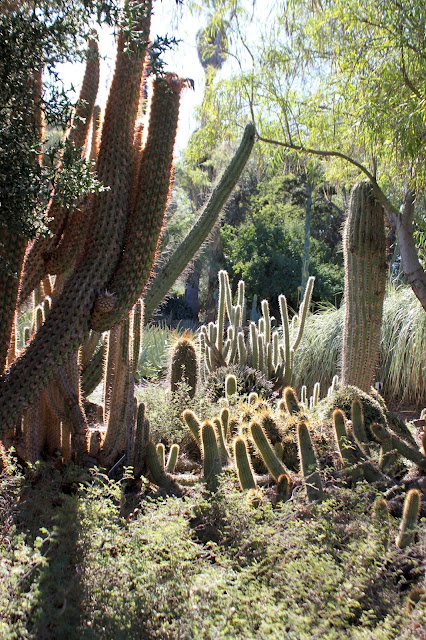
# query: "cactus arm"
304,311
172,458
286,337
358,428
244,468
211,456
309,464
34,267
145,221
162,282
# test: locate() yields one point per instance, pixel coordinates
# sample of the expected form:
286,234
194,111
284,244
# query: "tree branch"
391,210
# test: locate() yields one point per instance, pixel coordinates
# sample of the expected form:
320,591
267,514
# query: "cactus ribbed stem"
364,246
177,262
193,424
309,464
409,518
35,268
145,220
172,459
358,428
244,468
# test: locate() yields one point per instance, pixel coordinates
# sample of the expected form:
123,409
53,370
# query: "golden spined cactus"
35,268
184,365
68,321
146,216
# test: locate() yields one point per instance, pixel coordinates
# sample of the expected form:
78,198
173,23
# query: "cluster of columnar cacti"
364,246
101,252
222,446
259,345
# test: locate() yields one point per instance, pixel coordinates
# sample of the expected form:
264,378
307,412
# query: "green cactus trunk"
364,246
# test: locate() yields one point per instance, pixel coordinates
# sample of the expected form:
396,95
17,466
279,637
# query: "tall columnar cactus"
260,346
184,365
121,237
364,246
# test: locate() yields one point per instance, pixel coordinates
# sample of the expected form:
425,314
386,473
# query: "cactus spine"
364,247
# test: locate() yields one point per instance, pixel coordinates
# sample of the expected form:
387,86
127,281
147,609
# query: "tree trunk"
410,261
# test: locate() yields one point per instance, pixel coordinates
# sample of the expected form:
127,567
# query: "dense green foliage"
83,568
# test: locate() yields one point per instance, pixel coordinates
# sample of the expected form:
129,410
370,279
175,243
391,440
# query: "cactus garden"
192,445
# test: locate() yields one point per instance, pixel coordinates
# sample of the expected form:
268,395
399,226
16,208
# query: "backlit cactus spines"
275,467
224,455
410,516
184,365
145,219
142,437
291,402
96,129
242,462
172,458
283,488
161,453
309,464
211,456
35,268
192,242
193,424
224,418
364,247
230,385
